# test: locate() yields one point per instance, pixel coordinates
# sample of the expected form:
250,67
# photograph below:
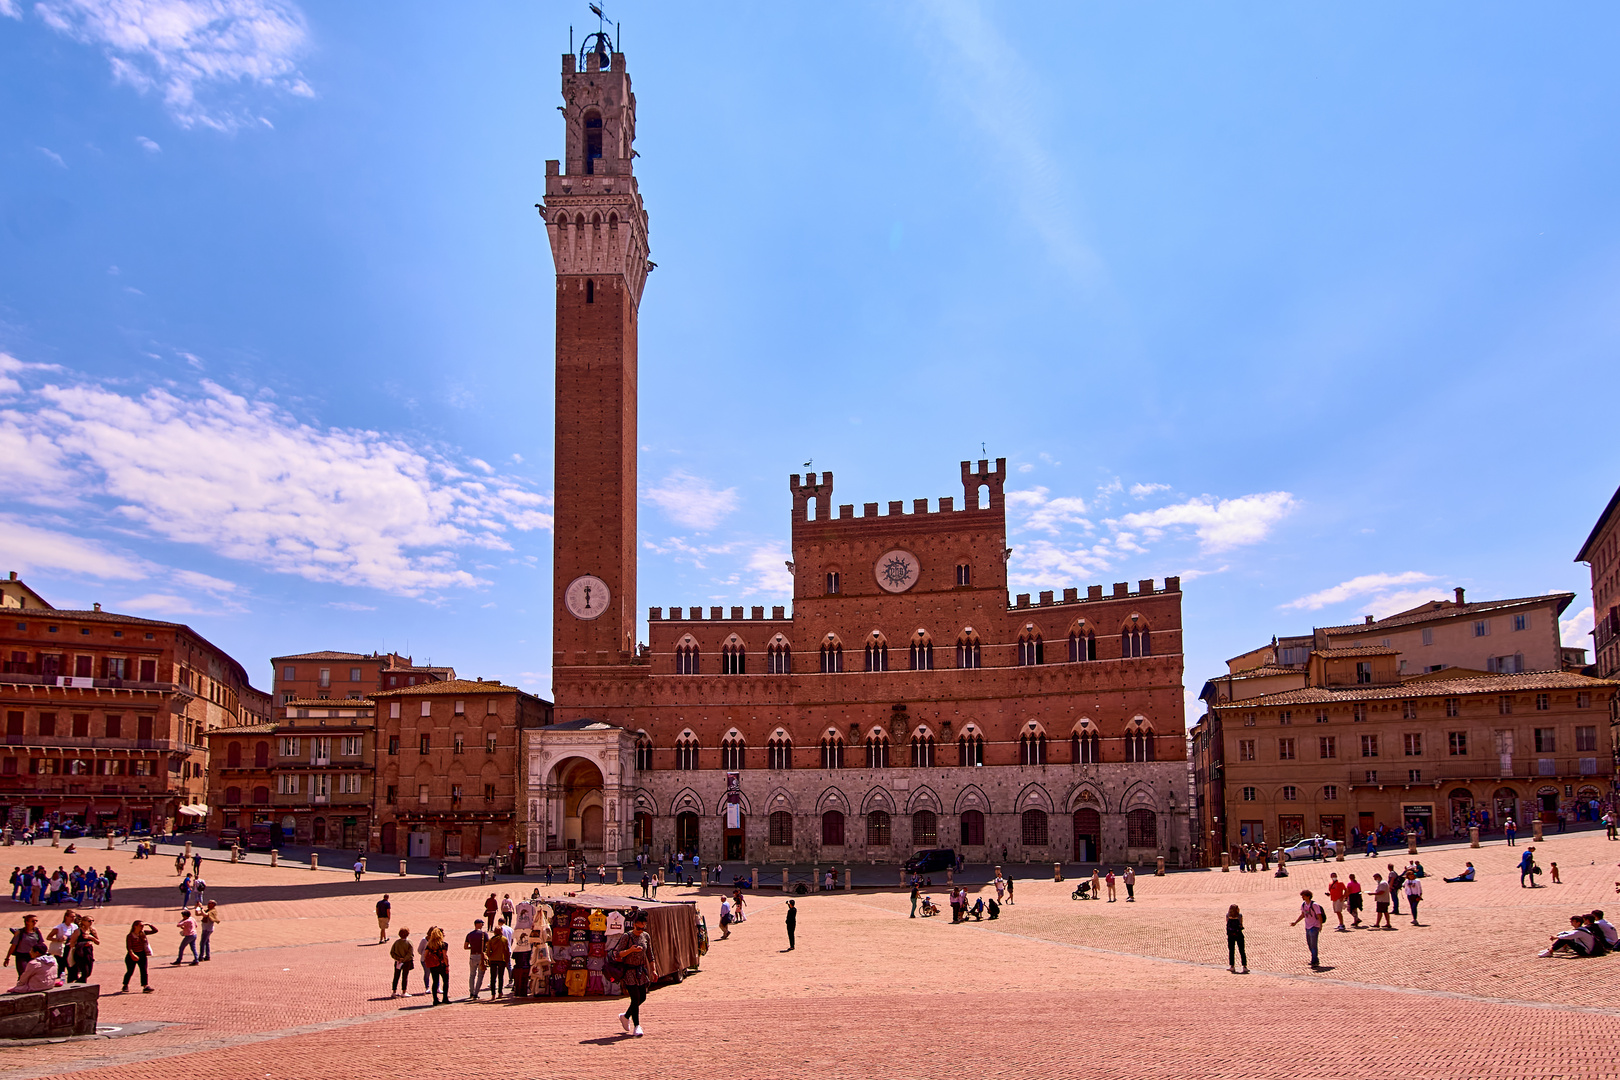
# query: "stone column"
1473,836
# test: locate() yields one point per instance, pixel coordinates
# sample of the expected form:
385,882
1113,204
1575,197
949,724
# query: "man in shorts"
384,911
1337,893
1381,892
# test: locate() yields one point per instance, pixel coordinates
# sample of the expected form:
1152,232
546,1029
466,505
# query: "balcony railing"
1394,772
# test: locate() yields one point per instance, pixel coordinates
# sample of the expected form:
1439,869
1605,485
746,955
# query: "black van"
926,862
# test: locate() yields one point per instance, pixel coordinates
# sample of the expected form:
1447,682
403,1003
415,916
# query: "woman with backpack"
1234,941
635,953
1313,916
436,964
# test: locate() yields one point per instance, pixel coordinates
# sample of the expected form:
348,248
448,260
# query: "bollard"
660,878
1535,828
784,880
753,880
848,879
570,873
1338,849
314,860
188,848
703,877
1411,841
1226,862
1473,836
109,842
402,868
362,864
1160,871
1057,871
56,839
236,853
274,856
620,881
950,875
902,877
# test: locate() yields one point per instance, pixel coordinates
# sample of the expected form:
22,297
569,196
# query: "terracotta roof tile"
1357,650
328,655
452,686
327,703
1447,609
1488,684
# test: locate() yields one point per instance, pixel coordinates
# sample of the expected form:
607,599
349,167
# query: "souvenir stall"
564,946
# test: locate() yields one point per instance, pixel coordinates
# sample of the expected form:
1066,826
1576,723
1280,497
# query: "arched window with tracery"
922,652
967,649
832,751
732,753
1138,743
924,829
686,753
686,658
1085,746
643,751
733,658
877,828
877,652
779,752
832,829
922,750
832,655
779,657
1135,640
1082,644
877,750
1031,650
1032,748
970,749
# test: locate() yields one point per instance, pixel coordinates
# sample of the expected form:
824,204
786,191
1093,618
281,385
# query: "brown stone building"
328,674
447,776
1602,553
906,701
107,716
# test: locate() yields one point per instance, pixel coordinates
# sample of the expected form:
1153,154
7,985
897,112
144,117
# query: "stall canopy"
195,810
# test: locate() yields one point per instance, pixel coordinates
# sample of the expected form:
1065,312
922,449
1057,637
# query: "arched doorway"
389,831
735,844
317,834
1087,834
686,832
643,828
590,826
1506,804
578,786
1462,809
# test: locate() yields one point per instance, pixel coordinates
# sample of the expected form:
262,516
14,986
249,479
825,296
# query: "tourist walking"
474,943
507,908
359,869
1527,868
1354,900
24,942
188,938
209,918
1109,881
1336,895
1009,890
1313,916
1000,883
646,882
385,911
136,952
492,905
1381,891
1130,885
497,955
1394,890
196,863
1510,827
81,950
436,965
1235,948
1414,893
914,894
792,923
636,954
725,918
404,960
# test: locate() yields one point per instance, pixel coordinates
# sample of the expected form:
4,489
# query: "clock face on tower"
587,596
896,571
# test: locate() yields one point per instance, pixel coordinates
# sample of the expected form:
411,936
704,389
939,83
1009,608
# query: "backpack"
1320,914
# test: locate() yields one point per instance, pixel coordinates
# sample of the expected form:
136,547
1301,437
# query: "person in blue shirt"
1527,866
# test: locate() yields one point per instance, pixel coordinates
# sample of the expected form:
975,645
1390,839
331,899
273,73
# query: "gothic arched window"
967,650
922,652
832,752
1085,747
922,750
1032,749
1031,650
832,656
686,753
686,659
1082,645
1134,640
779,658
779,753
877,751
733,659
970,749
643,752
877,652
732,753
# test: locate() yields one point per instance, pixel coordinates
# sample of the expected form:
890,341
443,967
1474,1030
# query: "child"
1555,879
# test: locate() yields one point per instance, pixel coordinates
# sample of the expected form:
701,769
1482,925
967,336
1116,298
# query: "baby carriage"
929,908
1082,891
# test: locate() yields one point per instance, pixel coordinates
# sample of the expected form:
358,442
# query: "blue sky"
1313,307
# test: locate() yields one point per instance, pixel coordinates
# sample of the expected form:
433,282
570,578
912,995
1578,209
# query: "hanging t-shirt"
615,922
598,920
577,981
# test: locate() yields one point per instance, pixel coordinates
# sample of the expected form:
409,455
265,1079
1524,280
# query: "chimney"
14,575
96,606
1369,619
1459,597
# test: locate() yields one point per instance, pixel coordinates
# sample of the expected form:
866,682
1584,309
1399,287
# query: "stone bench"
69,1010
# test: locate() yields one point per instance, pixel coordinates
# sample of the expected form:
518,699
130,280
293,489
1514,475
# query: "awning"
195,810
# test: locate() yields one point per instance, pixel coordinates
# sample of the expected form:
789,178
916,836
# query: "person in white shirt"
1577,939
1414,893
1610,934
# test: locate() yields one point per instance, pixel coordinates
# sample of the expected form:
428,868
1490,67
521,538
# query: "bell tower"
598,232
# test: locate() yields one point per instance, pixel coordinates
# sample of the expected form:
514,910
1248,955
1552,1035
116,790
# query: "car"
931,860
229,838
1306,848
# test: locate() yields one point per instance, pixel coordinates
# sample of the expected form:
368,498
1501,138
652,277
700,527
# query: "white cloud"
1576,631
10,9
193,579
1381,607
1026,467
163,604
1365,585
1042,564
1220,524
350,605
52,156
1043,513
250,482
767,565
481,465
692,501
148,145
194,52
25,547
1142,491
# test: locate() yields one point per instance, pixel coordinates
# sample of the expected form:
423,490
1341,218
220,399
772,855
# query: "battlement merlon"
811,487
974,479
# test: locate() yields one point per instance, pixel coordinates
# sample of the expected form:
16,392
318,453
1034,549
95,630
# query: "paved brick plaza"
1056,987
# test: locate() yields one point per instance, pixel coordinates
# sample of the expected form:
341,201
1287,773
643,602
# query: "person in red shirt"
1353,900
1336,893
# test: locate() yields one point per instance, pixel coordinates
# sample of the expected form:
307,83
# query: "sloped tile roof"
1488,684
1448,609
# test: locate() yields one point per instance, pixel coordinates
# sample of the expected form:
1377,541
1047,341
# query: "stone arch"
780,798
1139,795
685,800
834,799
971,797
1088,794
720,804
878,799
924,798
1033,797
644,802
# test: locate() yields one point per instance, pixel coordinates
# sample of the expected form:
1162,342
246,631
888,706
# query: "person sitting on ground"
1577,939
39,974
1611,936
1599,944
978,910
993,908
1417,868
1466,875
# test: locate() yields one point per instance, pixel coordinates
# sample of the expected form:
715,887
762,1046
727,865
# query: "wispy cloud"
767,570
692,501
201,55
1046,514
25,547
350,605
1220,524
249,481
149,145
1142,491
52,156
1364,585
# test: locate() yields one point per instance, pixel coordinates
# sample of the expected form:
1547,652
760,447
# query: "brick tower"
598,233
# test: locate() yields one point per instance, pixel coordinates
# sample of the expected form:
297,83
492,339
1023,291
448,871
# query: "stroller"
929,908
1082,891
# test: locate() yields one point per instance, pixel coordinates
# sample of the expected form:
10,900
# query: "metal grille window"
924,829
1034,828
781,829
877,829
1141,828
